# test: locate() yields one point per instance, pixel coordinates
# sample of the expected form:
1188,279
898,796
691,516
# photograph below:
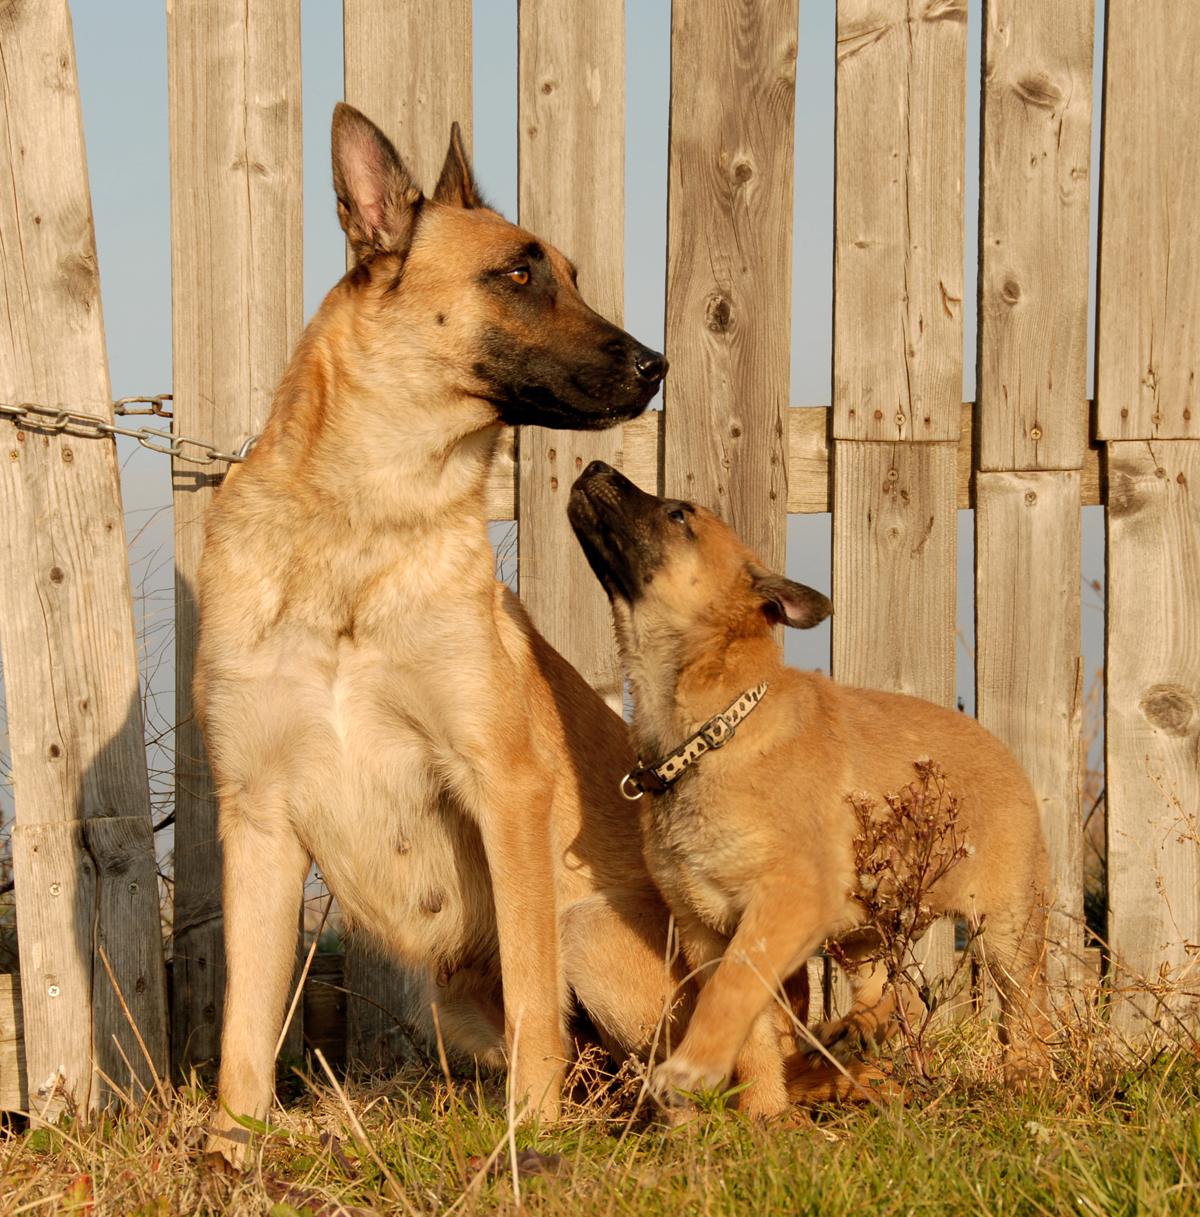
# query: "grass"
1099,1139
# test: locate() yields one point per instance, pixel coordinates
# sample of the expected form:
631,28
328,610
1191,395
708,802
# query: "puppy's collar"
715,733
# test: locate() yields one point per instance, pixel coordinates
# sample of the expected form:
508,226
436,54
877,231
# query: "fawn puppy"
744,782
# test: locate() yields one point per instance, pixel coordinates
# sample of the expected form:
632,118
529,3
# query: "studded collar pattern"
715,733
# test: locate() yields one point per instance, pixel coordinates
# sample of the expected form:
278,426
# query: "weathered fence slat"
66,613
408,69
1032,416
729,263
1033,255
237,309
571,137
1028,670
14,1085
898,231
895,526
1153,721
897,350
1147,339
1148,321
56,896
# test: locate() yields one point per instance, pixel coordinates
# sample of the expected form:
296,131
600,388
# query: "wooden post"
571,136
897,349
237,309
729,263
1147,339
83,853
408,69
1032,419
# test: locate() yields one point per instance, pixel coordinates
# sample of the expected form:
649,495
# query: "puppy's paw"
1025,1071
840,1037
678,1078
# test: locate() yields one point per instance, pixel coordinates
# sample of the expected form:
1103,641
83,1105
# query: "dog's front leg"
264,871
518,839
776,934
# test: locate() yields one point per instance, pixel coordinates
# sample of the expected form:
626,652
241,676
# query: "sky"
121,55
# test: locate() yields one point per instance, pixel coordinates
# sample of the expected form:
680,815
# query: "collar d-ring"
628,780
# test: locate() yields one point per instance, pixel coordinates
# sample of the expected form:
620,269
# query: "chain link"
92,426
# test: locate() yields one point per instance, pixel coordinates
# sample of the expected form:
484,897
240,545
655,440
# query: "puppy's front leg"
518,839
776,934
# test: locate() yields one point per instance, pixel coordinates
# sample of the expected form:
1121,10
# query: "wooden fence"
894,459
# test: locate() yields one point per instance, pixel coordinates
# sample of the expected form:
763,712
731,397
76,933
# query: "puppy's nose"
651,366
594,469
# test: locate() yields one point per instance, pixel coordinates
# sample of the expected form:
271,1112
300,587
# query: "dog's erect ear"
456,186
788,603
377,200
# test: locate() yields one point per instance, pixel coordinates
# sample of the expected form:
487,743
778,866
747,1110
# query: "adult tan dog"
372,698
750,832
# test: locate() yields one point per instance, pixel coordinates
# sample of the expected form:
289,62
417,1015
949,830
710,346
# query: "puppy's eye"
520,276
677,515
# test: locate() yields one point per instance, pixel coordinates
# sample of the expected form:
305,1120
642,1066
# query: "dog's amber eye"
676,515
520,276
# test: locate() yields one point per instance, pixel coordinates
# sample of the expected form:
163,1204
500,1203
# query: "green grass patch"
1094,1141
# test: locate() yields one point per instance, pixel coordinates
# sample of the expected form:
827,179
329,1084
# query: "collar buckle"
717,732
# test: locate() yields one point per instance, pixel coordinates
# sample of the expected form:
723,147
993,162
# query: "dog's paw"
764,1100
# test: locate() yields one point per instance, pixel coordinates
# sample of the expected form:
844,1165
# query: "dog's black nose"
651,366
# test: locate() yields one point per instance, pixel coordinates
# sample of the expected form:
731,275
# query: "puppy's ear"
377,200
456,185
788,603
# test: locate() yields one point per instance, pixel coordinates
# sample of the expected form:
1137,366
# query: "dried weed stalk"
901,850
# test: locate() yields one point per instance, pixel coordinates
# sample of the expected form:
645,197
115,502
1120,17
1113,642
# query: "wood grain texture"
641,451
898,223
808,459
809,463
1034,199
129,930
378,1008
66,613
1153,720
1148,322
729,263
894,544
571,140
1029,671
14,1086
56,885
237,311
408,69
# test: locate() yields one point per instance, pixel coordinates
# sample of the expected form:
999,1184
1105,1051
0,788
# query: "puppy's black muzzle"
613,519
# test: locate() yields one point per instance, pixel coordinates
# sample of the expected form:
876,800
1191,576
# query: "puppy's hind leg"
1012,946
264,871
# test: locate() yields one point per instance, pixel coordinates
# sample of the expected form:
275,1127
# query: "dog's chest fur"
340,682
696,862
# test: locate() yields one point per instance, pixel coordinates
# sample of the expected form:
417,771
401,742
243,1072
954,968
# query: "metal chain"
92,426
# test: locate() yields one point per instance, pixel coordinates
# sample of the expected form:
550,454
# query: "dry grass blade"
456,1147
398,1191
158,1082
312,950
